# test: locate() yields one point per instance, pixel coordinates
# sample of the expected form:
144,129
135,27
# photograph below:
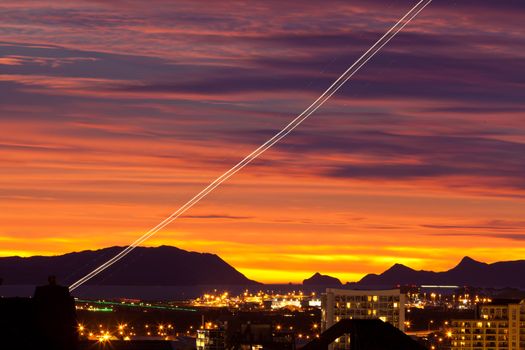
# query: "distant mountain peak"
143,266
468,262
468,272
468,259
322,280
399,268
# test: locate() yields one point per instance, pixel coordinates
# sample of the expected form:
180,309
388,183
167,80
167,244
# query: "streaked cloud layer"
114,113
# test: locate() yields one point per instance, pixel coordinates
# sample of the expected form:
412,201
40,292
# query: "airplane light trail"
360,62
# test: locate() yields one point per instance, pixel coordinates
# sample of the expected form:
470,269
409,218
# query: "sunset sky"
114,113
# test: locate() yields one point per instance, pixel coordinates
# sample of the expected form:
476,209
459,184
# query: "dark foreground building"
46,321
370,334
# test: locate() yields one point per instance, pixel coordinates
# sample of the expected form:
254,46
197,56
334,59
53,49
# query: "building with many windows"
500,326
338,304
211,339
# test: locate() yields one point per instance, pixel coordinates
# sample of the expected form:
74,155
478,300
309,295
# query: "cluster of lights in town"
106,334
125,332
461,301
277,300
295,300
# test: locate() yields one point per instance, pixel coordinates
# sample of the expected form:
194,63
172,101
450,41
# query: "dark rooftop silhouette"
365,335
46,321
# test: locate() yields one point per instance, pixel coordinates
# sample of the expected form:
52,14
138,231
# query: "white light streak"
361,61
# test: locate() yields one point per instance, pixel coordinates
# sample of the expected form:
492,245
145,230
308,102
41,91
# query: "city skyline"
113,116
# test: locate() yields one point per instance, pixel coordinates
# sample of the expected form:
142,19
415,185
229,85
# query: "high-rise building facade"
338,304
500,326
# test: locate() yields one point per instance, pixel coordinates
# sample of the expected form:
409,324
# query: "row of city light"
125,332
292,300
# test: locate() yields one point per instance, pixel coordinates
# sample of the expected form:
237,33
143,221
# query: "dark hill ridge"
162,266
321,280
468,272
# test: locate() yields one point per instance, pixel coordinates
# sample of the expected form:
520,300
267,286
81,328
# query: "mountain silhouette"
321,280
162,266
468,272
